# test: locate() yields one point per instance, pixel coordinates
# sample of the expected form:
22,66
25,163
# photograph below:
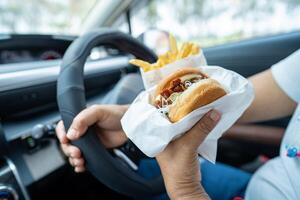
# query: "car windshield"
43,16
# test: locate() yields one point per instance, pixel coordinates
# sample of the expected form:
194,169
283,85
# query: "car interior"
32,165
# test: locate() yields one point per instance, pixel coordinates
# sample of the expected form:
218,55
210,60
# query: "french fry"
187,50
173,44
163,59
169,57
181,51
178,56
173,57
195,49
155,66
175,53
140,63
160,62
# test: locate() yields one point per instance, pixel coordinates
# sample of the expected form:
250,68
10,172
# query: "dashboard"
29,67
28,48
32,48
23,55
18,55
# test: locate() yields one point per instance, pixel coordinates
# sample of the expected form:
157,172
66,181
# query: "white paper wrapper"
153,77
151,131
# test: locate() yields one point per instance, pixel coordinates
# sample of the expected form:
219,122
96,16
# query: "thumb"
85,119
196,135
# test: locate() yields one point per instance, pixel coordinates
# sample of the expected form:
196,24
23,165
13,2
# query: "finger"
61,133
78,162
201,129
85,119
65,149
79,169
71,161
71,151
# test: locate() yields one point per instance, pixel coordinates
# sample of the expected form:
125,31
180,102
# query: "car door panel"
252,56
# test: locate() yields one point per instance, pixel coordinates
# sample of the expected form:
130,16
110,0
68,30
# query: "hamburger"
184,91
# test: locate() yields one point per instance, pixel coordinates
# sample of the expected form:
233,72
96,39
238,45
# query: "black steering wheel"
71,100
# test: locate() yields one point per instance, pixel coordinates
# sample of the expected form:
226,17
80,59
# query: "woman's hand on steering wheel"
106,119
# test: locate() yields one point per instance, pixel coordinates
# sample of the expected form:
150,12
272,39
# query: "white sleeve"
287,74
270,182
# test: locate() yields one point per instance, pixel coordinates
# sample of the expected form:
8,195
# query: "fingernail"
214,115
71,133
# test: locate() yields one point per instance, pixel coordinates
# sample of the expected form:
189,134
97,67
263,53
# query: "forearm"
270,101
186,184
179,161
184,190
125,107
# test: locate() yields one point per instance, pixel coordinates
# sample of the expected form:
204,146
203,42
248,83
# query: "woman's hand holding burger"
179,161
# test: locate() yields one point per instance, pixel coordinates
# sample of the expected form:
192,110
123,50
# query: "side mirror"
157,40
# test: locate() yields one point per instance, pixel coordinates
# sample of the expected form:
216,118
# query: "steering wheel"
71,100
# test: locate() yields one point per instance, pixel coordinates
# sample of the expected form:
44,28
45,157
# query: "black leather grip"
71,100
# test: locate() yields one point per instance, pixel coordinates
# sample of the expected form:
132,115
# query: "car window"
44,17
214,22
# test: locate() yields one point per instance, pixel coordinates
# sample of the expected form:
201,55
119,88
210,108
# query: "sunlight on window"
213,22
47,16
